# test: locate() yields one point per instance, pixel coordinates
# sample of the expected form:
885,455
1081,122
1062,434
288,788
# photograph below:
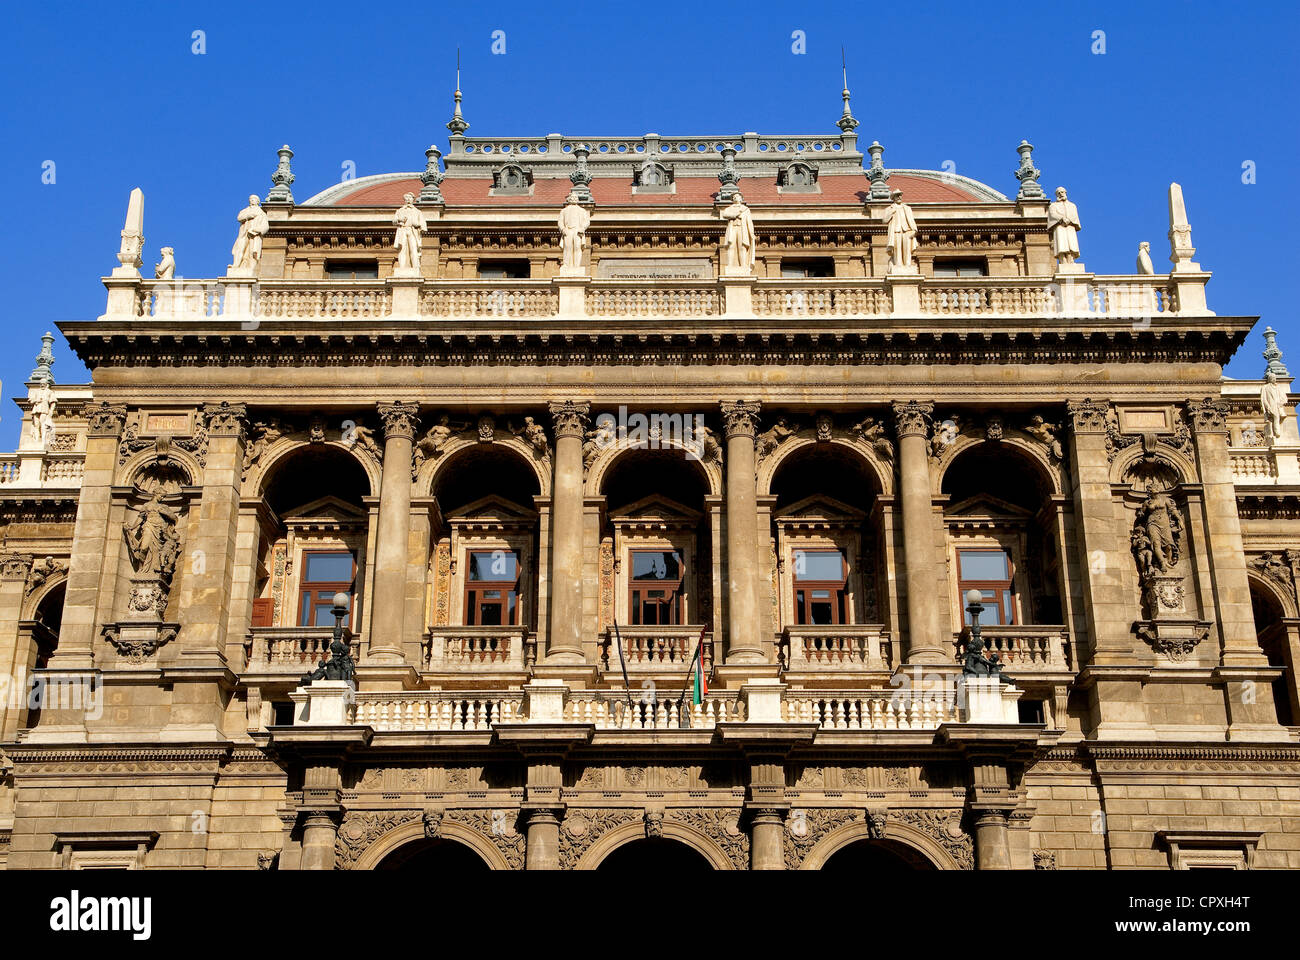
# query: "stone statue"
775,435
900,233
42,407
1273,398
152,539
1063,225
410,225
738,243
1144,266
1140,543
364,437
339,666
873,434
166,268
253,225
708,443
600,438
1158,518
573,223
43,569
264,433
535,435
434,439
1045,433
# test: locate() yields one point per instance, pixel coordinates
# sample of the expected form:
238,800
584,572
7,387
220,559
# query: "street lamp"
340,610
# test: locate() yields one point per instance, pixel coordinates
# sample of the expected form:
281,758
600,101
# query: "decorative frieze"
583,827
722,826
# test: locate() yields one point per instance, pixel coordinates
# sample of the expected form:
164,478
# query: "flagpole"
622,662
684,719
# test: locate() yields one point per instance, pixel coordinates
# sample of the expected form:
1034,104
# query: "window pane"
818,565
984,565
328,568
489,614
493,565
656,565
324,618
821,612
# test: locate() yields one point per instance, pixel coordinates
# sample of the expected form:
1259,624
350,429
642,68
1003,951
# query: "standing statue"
166,268
1140,543
900,233
152,539
1063,225
1273,398
573,223
253,225
1144,265
410,225
42,407
1158,518
738,243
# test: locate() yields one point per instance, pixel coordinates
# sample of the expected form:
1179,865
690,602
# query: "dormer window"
653,177
798,176
512,180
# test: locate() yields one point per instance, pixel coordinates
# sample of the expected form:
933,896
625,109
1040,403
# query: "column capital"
912,418
104,419
740,417
15,566
571,417
399,419
1088,416
1208,415
226,419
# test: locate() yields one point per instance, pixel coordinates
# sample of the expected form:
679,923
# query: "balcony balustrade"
897,709
656,649
293,650
479,649
842,647
1024,650
434,710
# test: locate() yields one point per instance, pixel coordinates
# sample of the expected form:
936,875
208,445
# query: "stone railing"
615,710
1253,465
843,647
479,648
821,298
638,298
435,710
870,710
292,649
331,299
69,468
661,647
488,298
1023,648
9,468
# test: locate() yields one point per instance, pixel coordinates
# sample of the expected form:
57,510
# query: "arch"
767,470
672,830
654,853
600,468
37,597
179,460
431,471
412,832
1282,599
286,447
902,834
1124,461
1012,440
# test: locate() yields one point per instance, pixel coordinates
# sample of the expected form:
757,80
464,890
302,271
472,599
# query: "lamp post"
974,607
342,602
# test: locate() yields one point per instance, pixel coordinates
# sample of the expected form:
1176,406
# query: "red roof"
690,190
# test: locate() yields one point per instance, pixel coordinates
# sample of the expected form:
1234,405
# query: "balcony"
655,649
837,649
1027,651
432,710
479,650
292,651
893,709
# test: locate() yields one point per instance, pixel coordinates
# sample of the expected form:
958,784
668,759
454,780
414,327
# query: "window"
324,573
807,269
989,572
961,268
656,587
819,579
492,588
503,269
349,270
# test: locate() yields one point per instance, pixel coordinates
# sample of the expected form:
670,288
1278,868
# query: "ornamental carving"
1088,416
533,434
1177,645
432,823
360,829
740,418
722,826
1044,860
138,649
943,826
912,418
262,435
399,419
1277,570
825,426
1045,434
15,566
434,442
104,419
226,419
442,584
583,827
571,418
994,429
775,435
871,433
1156,538
804,828
654,824
498,826
1208,415
606,582
943,434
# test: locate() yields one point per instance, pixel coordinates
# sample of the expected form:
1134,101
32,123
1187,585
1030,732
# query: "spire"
45,360
457,124
1027,174
847,122
282,178
1272,353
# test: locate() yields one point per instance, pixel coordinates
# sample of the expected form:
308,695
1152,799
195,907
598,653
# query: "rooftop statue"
410,225
1144,265
738,246
1063,225
1273,399
253,225
166,268
573,223
900,234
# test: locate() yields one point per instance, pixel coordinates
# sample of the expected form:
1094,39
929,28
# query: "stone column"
388,599
564,638
992,843
542,845
767,839
927,634
744,569
319,830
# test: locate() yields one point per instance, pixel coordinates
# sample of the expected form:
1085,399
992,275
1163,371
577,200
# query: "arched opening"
829,558
1274,640
655,855
656,556
445,857
876,856
39,637
485,557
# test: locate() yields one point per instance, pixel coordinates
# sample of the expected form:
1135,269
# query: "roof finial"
45,360
1027,173
1273,354
282,178
457,124
847,122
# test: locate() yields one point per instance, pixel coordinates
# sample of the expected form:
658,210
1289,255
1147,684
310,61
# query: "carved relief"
1044,860
263,434
360,829
805,828
533,434
42,570
583,827
606,582
943,826
722,826
442,583
499,827
775,435
872,434
1045,434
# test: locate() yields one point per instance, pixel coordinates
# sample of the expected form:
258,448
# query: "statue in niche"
900,233
1159,521
253,226
1273,399
573,223
1063,225
738,242
152,539
410,225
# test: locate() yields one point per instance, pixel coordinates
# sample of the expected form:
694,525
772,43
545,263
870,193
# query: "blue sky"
115,97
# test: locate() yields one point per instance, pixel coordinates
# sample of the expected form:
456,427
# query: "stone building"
583,420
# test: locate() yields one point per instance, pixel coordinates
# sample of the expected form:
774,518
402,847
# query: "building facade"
582,421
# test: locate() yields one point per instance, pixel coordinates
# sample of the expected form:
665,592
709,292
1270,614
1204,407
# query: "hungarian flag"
701,681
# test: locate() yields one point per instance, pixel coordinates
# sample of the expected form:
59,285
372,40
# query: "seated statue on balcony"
340,665
979,664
